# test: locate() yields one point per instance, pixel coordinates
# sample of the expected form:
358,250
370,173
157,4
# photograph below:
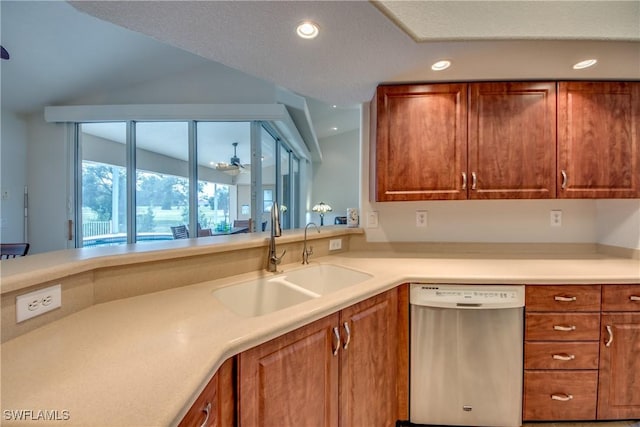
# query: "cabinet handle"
464,180
634,298
336,335
564,356
564,298
564,328
474,180
564,179
610,339
563,397
348,340
207,411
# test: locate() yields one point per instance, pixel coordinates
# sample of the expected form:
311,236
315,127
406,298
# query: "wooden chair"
12,250
248,223
180,232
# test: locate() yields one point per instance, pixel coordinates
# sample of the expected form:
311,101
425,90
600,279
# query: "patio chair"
180,232
12,250
243,223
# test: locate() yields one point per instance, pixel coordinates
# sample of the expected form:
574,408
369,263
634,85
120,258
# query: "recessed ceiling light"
334,106
585,64
334,128
308,30
441,65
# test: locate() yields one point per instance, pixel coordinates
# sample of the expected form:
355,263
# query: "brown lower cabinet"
338,371
619,386
215,407
582,352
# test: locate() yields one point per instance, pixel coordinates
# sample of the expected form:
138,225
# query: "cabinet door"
619,381
215,407
598,140
421,142
291,380
512,140
204,411
368,377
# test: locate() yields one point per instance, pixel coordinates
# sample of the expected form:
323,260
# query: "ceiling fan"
234,166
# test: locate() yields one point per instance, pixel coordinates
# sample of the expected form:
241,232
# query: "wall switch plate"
372,219
335,244
421,219
556,218
38,302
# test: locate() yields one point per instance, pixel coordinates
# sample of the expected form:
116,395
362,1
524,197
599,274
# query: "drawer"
562,298
621,298
561,355
562,327
560,395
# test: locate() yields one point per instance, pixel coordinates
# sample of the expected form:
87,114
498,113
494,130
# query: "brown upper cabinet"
512,140
506,140
598,139
421,150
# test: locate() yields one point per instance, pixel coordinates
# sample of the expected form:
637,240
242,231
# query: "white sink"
266,295
325,278
259,297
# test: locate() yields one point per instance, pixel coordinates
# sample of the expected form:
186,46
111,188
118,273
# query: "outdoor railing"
96,228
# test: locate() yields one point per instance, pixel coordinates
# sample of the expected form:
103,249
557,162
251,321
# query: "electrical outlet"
421,219
38,302
372,219
335,244
556,218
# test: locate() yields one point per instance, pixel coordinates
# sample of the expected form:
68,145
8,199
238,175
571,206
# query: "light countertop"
143,360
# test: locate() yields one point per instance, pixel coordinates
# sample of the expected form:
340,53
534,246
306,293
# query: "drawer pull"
336,334
561,397
634,298
610,339
348,340
207,412
564,356
564,328
564,298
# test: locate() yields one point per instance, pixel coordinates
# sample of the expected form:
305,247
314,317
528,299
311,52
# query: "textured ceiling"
359,47
515,20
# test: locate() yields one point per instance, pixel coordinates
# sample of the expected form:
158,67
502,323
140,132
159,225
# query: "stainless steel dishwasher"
466,354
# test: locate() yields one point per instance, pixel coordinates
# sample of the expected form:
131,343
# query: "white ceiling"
360,47
60,53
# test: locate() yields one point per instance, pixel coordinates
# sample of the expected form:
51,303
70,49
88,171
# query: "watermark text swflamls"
36,415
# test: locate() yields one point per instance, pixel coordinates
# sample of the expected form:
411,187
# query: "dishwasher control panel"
467,296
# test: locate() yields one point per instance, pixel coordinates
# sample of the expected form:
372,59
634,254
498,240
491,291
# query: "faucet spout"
307,252
276,231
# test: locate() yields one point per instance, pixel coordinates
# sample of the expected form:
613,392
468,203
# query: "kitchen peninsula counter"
143,360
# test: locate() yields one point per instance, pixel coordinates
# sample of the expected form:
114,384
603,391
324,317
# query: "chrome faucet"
306,252
276,231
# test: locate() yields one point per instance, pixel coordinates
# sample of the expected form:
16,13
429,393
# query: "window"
102,216
162,179
196,175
